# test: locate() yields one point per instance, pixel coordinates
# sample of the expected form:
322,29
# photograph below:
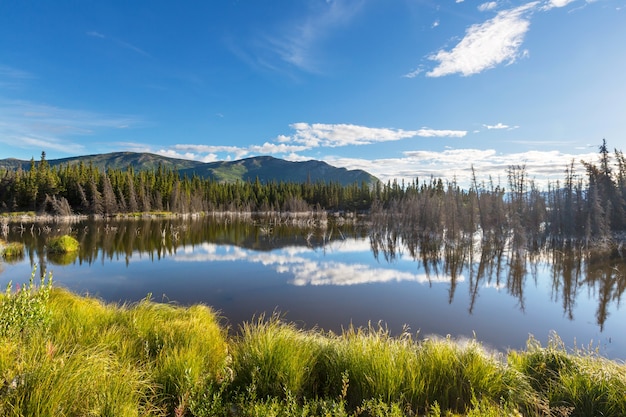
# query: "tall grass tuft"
183,349
401,370
45,381
175,352
373,365
12,251
454,374
82,320
275,358
580,383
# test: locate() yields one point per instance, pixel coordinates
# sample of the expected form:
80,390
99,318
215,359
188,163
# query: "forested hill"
265,168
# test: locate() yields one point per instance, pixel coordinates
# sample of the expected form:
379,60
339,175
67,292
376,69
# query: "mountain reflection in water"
328,274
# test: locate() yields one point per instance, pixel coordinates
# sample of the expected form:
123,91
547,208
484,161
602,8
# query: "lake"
332,274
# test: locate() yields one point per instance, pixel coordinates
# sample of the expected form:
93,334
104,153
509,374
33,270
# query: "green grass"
12,250
63,244
582,382
274,358
97,359
68,355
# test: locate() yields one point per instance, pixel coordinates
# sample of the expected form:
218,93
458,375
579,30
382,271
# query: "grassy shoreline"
69,355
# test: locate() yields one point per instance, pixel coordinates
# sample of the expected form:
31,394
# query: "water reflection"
507,266
341,271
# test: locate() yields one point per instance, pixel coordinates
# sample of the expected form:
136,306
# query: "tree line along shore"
587,210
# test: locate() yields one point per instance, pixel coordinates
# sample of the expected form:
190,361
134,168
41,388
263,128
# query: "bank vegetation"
66,355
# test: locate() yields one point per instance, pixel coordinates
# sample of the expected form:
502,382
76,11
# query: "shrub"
25,309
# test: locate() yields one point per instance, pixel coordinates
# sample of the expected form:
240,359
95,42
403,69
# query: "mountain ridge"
265,168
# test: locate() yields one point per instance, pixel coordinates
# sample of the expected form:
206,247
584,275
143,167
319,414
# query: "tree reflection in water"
495,260
507,264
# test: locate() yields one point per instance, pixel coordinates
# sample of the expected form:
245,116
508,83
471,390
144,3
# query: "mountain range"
265,168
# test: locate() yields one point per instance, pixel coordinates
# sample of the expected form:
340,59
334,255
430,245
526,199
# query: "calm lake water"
334,276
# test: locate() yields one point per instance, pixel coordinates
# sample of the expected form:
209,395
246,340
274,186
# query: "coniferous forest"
584,208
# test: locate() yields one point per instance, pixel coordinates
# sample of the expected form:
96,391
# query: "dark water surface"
337,275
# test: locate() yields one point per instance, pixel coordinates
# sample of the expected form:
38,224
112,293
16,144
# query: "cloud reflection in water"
296,261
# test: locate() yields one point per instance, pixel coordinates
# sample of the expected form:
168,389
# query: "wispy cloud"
27,125
11,77
490,5
96,34
485,45
491,43
414,73
295,42
119,42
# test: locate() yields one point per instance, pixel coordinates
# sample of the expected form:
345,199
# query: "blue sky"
401,88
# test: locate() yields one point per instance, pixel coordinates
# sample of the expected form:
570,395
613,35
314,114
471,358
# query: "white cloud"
334,135
272,148
204,153
556,3
304,271
486,45
210,153
488,6
542,166
499,126
306,137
